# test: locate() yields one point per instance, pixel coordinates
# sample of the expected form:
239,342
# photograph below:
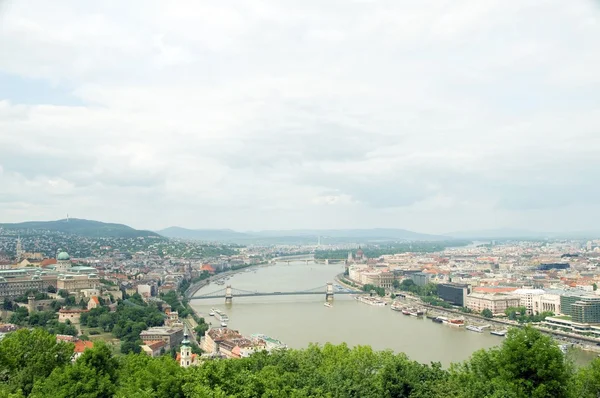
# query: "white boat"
212,312
328,305
223,324
221,316
499,332
473,328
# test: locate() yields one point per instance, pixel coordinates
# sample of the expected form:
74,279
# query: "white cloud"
260,114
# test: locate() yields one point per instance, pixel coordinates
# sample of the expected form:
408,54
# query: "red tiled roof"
81,345
155,345
207,267
95,299
47,262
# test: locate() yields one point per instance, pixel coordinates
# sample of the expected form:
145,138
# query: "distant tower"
185,359
67,217
63,262
31,303
319,242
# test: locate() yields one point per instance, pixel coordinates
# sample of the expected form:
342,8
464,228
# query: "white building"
528,297
495,302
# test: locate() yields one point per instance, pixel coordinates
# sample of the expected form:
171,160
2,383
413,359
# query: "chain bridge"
228,293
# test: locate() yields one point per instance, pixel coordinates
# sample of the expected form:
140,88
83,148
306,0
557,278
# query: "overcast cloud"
428,115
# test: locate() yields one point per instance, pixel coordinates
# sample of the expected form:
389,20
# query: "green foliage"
487,313
520,314
92,376
378,290
30,355
7,305
528,364
126,323
37,294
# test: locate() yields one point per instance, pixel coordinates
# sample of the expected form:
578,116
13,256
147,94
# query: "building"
586,310
74,283
420,278
154,348
80,347
14,287
213,337
171,336
567,300
70,315
93,303
185,356
497,303
63,262
455,293
547,302
528,297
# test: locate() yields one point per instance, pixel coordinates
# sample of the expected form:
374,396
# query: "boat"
405,311
416,312
456,322
396,307
328,305
371,301
224,324
474,328
439,319
221,317
212,312
499,332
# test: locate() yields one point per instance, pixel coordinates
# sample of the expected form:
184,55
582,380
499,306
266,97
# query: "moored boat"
474,328
328,305
500,333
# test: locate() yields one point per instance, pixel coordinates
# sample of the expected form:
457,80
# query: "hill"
82,227
300,236
202,234
509,233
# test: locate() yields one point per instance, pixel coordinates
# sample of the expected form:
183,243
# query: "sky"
429,115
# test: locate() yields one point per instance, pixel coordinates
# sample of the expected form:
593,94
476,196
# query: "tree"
63,293
396,284
587,381
7,304
487,313
528,364
93,376
28,355
51,289
595,286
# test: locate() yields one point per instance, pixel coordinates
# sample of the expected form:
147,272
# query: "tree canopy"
528,364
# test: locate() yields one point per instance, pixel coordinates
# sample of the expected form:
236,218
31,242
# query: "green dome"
63,256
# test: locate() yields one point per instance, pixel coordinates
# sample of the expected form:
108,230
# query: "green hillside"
82,227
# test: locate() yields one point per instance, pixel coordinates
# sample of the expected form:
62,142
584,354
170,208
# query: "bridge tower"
228,295
329,292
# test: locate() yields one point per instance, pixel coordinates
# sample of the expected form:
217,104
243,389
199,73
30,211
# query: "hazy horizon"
430,116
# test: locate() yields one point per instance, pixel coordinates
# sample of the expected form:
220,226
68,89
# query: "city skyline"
432,117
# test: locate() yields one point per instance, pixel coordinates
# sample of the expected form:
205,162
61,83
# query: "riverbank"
190,291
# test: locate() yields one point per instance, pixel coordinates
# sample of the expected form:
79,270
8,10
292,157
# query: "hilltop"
82,227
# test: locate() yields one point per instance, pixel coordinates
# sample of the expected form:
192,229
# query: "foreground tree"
93,376
30,355
529,364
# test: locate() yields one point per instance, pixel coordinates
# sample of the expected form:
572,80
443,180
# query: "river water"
301,320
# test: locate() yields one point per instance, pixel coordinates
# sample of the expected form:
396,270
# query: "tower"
63,262
31,303
228,295
185,353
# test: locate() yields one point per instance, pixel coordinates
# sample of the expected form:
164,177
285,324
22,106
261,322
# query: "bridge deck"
261,294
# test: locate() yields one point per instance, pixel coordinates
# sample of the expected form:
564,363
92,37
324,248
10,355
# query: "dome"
63,256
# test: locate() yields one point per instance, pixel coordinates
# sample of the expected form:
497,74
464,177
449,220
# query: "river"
301,320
